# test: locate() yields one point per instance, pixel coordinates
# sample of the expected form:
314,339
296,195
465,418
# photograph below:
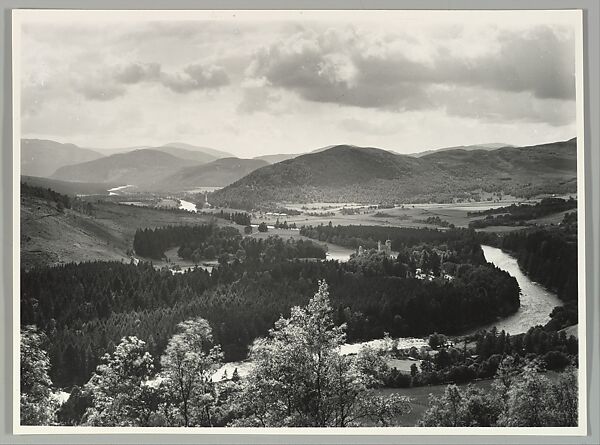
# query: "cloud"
136,72
195,77
112,83
342,68
99,89
507,107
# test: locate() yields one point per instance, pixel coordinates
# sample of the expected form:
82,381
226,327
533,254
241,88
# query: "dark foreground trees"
301,379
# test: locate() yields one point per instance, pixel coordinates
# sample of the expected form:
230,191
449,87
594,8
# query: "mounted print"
308,222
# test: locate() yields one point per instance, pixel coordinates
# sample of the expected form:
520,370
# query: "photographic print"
299,221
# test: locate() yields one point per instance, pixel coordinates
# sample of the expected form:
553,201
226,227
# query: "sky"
258,83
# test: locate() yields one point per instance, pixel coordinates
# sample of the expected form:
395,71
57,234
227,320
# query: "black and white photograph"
299,221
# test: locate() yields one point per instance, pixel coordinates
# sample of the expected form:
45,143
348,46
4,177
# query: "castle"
381,247
385,248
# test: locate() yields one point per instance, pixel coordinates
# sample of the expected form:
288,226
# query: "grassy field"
407,216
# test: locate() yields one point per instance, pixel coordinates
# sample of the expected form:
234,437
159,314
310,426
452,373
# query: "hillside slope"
218,173
369,175
40,157
50,236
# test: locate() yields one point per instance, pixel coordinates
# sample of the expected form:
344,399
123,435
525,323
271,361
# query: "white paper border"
573,17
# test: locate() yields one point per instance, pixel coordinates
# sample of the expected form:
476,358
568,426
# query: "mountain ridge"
42,157
141,167
346,173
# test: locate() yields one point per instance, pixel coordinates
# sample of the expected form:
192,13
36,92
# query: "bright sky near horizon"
254,83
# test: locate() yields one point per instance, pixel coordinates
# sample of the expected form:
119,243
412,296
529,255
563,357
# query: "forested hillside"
368,175
243,297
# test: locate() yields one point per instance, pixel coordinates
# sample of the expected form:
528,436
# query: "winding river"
186,205
536,304
536,301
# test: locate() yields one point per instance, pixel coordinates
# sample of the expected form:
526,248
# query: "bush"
556,360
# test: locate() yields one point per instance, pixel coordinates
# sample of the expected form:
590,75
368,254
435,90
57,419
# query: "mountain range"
143,167
160,169
340,173
370,175
41,157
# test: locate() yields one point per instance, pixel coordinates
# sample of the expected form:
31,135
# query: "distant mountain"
490,146
369,175
199,157
114,151
181,150
274,159
218,173
145,168
41,157
217,154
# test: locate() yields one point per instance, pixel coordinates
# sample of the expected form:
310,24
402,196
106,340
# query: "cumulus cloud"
99,88
112,83
335,67
137,72
195,77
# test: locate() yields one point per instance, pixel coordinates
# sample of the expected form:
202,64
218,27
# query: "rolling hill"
41,157
218,173
216,154
490,146
143,168
198,157
274,159
369,175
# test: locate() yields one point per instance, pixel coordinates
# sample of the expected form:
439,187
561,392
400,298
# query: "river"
536,305
186,205
536,301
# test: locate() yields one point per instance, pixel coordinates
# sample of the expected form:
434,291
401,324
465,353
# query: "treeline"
328,390
353,236
435,221
480,356
240,218
548,256
300,379
152,243
209,242
518,214
274,249
86,307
